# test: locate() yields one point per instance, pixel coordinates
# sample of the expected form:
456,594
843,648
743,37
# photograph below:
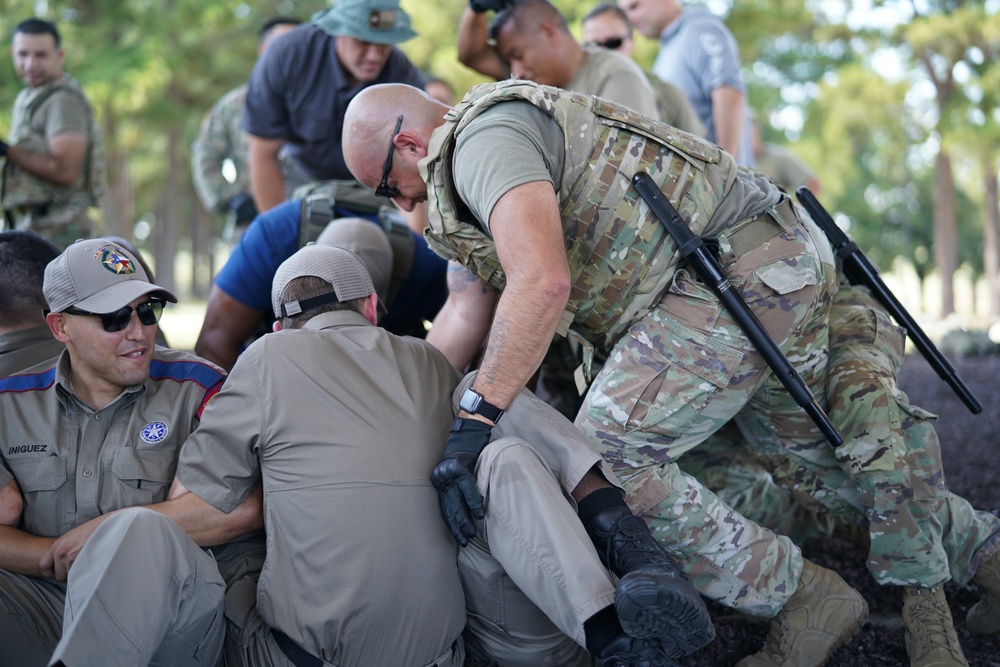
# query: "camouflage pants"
890,461
684,370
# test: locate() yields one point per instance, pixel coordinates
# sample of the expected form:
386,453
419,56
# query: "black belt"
294,652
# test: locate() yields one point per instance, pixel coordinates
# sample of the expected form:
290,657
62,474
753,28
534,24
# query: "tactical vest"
318,202
620,258
21,188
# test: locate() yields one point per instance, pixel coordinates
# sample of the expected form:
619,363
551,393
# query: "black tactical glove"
242,204
455,478
3,148
480,6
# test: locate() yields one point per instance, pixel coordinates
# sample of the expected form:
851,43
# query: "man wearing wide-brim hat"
300,88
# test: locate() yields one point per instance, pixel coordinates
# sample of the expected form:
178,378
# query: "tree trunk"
945,230
165,233
991,234
117,206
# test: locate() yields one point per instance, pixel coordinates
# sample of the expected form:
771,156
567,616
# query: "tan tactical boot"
823,613
930,635
984,617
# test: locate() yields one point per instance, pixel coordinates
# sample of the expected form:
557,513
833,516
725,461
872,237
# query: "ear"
276,326
408,143
57,325
371,308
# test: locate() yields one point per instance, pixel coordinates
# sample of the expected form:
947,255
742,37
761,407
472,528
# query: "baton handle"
693,249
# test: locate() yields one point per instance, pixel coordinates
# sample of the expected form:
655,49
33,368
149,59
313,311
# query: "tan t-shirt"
614,77
344,422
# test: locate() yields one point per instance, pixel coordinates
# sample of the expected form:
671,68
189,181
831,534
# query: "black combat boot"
626,651
654,598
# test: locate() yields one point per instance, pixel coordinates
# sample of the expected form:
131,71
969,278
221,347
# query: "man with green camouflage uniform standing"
553,220
54,167
221,138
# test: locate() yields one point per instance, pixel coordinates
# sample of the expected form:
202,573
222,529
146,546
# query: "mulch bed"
971,450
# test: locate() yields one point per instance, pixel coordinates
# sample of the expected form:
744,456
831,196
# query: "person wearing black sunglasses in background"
606,26
92,431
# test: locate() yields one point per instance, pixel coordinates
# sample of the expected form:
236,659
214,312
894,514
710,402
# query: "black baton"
693,249
859,270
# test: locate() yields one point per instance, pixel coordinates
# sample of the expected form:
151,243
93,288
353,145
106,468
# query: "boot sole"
654,605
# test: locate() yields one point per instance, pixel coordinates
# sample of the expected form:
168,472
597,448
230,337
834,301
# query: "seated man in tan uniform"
91,431
25,339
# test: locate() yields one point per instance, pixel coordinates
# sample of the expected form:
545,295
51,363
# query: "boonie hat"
375,21
369,242
99,276
338,266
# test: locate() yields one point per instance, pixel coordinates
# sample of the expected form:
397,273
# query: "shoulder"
234,98
184,367
38,378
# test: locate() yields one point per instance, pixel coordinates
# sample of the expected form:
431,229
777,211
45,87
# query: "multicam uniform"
73,464
890,462
679,367
55,212
221,137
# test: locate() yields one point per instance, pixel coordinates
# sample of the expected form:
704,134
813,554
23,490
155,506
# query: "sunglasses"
149,314
383,189
611,44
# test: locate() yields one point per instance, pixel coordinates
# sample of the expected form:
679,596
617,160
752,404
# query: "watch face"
470,400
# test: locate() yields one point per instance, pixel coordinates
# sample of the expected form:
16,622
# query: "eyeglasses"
383,189
611,44
149,314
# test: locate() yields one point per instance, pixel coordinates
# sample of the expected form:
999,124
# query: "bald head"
369,124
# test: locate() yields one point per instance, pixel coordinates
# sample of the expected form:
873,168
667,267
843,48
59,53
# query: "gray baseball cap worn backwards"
98,276
340,267
375,21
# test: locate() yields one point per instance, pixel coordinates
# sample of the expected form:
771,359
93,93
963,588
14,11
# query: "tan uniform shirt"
335,418
27,347
614,77
74,463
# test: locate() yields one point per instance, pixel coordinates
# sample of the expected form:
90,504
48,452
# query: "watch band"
474,403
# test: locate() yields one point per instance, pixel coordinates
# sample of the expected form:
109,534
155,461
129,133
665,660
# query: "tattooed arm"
461,325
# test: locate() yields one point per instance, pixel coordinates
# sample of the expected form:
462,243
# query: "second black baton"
693,249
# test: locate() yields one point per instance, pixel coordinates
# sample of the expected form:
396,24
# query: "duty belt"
295,653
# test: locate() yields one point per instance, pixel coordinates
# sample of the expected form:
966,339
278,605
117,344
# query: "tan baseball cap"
98,276
340,267
369,242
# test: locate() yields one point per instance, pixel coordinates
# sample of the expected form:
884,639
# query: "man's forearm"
21,551
45,166
267,183
474,51
208,526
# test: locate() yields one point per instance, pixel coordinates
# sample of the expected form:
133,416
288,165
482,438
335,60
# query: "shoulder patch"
33,382
154,432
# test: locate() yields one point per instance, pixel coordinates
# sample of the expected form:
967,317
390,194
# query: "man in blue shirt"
699,55
241,295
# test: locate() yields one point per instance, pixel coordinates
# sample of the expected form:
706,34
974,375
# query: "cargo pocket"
143,476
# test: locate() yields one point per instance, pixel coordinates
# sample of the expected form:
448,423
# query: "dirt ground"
971,451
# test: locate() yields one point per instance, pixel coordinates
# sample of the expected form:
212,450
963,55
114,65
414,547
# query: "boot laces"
631,547
934,619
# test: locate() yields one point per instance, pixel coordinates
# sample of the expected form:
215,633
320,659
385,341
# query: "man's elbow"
11,505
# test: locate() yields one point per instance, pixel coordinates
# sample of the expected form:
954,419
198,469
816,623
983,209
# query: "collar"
336,320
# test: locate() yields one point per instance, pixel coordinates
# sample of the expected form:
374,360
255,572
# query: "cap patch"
114,259
154,432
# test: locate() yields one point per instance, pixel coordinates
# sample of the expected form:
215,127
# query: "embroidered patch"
114,259
154,432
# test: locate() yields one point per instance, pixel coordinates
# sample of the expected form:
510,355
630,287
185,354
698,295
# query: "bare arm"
228,323
462,324
527,229
61,165
474,51
19,551
267,184
727,115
